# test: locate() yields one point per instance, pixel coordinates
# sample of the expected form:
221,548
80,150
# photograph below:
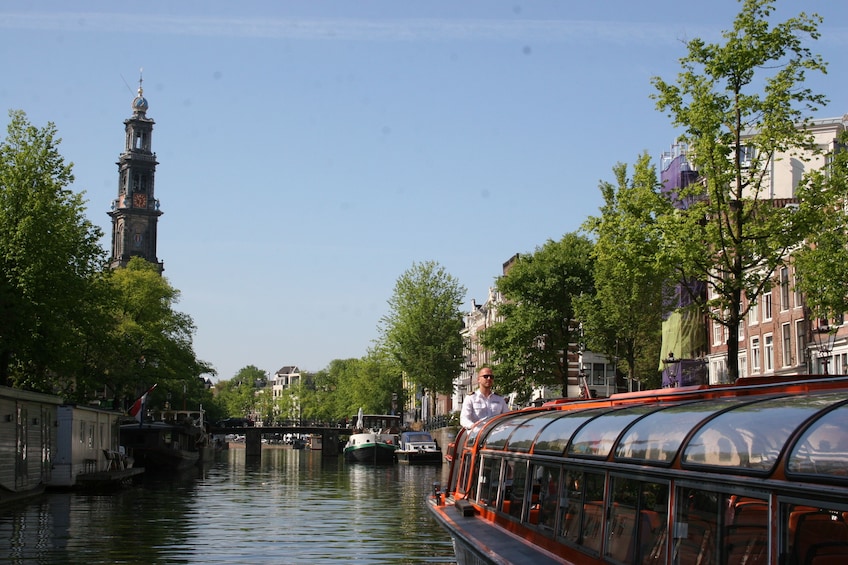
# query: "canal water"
291,506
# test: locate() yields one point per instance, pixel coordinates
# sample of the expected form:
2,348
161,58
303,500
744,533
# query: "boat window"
713,527
514,482
597,437
522,437
475,431
814,533
822,450
487,482
417,436
637,521
554,438
464,472
455,454
658,436
582,523
496,438
544,496
752,436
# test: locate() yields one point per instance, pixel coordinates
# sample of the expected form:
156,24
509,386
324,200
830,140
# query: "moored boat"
315,442
755,472
374,439
170,440
418,448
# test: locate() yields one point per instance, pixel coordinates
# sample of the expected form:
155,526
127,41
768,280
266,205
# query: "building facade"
778,337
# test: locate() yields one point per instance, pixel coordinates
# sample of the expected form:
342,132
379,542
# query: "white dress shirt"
476,407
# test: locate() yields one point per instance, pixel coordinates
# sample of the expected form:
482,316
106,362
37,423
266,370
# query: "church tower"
135,213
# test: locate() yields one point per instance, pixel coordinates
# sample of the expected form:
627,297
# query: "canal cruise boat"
744,474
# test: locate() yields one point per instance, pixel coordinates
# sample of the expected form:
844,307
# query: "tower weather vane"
140,80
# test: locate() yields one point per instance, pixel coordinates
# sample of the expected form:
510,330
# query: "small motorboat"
418,448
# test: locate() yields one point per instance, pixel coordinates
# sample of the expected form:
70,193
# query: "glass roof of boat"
659,437
747,433
752,436
497,437
822,450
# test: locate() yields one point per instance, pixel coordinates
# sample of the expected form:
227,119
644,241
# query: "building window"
718,333
755,354
740,329
786,346
753,314
747,153
598,375
840,364
784,289
796,294
766,306
768,352
800,341
718,371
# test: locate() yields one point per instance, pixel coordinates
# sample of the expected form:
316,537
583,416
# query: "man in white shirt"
484,402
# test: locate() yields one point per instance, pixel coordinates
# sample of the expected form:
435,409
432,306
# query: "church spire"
135,213
139,103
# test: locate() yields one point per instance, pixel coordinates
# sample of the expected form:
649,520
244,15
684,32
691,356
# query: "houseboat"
88,453
168,441
374,439
27,442
755,472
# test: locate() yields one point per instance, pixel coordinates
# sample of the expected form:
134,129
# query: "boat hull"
376,453
415,457
161,447
418,448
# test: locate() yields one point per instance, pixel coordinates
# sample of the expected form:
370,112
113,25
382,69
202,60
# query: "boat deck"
108,478
491,544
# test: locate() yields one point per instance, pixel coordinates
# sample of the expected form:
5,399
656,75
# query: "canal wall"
444,436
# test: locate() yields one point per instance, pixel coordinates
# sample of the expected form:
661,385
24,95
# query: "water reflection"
289,506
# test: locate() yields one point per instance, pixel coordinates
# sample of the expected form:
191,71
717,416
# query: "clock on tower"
139,200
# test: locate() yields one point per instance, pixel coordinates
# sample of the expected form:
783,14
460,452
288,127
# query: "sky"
312,152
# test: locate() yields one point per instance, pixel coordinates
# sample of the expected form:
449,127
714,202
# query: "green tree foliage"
237,397
366,383
380,376
49,259
346,385
747,93
538,316
422,329
623,318
152,341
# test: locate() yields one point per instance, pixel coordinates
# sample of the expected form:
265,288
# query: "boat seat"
827,553
816,528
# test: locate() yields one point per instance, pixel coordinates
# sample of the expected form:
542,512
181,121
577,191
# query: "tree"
742,103
380,377
49,259
238,395
152,341
623,317
531,342
422,329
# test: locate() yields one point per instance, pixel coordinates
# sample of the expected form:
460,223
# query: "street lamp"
823,338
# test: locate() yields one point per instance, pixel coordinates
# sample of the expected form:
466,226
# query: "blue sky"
310,152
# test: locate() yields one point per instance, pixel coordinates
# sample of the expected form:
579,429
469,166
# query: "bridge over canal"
330,434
